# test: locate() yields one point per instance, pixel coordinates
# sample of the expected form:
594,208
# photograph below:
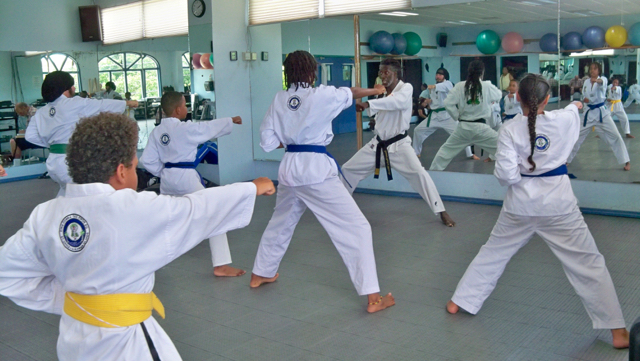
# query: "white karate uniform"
108,95
174,141
55,122
512,105
496,121
124,247
393,115
617,109
545,206
441,120
607,129
634,94
468,133
303,117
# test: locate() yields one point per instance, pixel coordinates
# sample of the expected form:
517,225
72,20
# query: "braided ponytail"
531,121
533,91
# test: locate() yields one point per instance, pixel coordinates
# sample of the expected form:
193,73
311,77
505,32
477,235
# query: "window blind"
275,11
122,23
342,7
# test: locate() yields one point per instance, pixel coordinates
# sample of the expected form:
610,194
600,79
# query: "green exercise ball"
414,43
488,42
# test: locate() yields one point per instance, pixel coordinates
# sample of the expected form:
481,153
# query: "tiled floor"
313,313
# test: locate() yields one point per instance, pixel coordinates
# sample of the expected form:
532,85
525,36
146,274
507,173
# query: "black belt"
382,148
152,347
474,121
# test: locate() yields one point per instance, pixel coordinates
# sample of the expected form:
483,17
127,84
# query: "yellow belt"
116,310
613,102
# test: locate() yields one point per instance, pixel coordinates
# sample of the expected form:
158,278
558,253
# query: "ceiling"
510,11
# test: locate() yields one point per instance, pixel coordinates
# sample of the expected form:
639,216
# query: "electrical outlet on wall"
246,56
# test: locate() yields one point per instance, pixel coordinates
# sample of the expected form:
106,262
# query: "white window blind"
144,19
342,7
275,11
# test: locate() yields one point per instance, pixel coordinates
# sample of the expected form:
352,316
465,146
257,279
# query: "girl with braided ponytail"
532,152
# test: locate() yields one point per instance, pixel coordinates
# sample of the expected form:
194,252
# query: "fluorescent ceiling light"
594,52
547,1
467,22
392,14
404,13
585,12
32,53
453,22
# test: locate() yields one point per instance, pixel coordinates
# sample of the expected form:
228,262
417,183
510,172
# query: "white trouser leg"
450,126
631,98
623,119
347,227
277,236
408,165
220,253
609,133
496,128
359,167
457,141
570,240
486,138
59,172
420,134
510,233
584,131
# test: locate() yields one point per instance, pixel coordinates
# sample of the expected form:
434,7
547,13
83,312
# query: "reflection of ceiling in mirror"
508,11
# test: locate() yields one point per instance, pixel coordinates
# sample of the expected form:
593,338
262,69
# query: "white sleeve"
507,160
399,100
32,135
150,158
91,107
494,93
200,132
269,141
452,101
24,276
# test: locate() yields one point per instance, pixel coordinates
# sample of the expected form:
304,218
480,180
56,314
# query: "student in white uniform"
109,92
531,157
469,102
172,154
91,256
391,145
299,119
597,115
511,104
53,124
614,104
634,93
437,117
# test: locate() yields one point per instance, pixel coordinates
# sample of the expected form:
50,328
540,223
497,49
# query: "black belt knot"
382,148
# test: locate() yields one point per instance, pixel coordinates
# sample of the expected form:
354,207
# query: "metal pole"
356,64
558,65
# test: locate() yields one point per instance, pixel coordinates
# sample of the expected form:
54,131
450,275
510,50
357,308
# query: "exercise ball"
414,43
512,42
572,41
211,59
549,43
205,62
634,34
488,42
381,42
195,61
616,36
593,37
400,44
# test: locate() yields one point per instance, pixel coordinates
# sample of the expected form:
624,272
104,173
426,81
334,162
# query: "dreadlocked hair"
300,69
473,86
533,90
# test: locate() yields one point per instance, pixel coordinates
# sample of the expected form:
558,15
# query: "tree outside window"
137,73
59,61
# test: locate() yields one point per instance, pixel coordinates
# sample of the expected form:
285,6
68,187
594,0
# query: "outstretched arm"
367,92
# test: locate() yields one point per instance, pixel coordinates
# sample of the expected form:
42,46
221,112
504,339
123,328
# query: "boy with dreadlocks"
299,119
469,102
532,151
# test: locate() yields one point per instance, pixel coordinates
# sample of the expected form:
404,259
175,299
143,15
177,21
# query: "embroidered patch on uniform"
52,112
542,142
165,139
74,232
294,102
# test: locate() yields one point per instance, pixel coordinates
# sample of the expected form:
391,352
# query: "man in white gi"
437,117
53,124
634,93
393,116
614,104
91,256
597,115
172,154
109,92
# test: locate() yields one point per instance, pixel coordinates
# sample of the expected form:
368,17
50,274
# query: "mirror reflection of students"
25,112
614,103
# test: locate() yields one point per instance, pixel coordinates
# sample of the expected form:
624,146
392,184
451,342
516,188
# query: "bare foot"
419,155
379,303
620,338
228,271
488,160
452,308
474,157
630,136
627,166
256,280
446,219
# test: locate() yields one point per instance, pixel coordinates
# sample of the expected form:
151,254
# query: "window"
58,61
136,73
186,71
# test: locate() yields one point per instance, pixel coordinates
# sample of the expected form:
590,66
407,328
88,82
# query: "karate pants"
58,171
631,98
618,111
570,241
465,134
422,132
404,161
338,214
608,132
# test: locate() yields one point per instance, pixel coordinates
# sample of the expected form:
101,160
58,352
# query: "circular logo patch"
294,102
165,139
52,112
542,142
74,232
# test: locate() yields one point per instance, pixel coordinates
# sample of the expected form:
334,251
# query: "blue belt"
303,148
561,170
592,107
510,116
202,152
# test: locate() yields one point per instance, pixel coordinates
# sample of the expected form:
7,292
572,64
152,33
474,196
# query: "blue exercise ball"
572,41
634,34
593,37
549,43
400,44
381,42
